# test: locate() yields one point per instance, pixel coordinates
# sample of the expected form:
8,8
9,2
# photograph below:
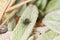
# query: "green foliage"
53,5
49,35
52,21
22,31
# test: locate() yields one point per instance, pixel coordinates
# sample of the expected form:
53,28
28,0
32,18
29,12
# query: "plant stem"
17,6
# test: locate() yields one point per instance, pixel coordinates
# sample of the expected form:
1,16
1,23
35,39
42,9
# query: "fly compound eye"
4,29
26,21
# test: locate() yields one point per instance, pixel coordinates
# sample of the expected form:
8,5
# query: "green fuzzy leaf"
50,35
53,5
38,3
21,10
57,38
11,24
52,21
22,31
43,4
